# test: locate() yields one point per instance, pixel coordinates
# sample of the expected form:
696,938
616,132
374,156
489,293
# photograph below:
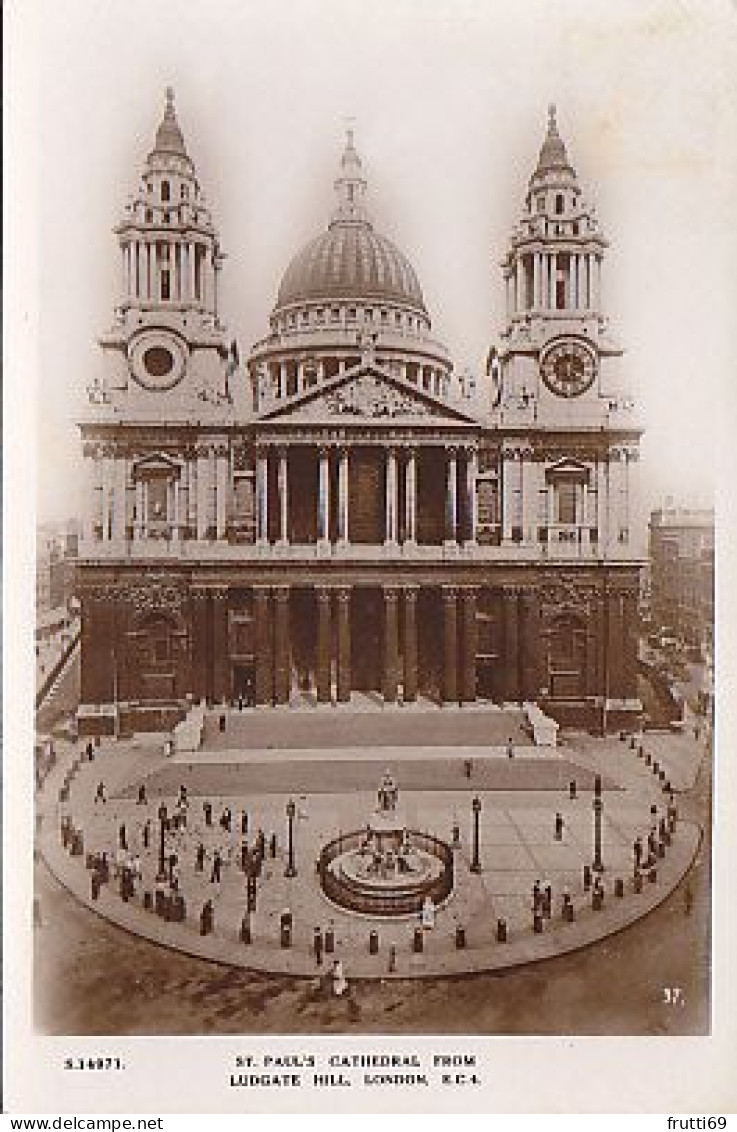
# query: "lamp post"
476,807
162,838
290,870
597,865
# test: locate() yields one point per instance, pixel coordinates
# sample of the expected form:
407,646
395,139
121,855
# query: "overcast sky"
449,102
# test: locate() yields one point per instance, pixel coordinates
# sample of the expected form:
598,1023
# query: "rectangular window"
566,503
165,285
165,191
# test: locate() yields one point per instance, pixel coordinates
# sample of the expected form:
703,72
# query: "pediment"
568,468
156,464
369,395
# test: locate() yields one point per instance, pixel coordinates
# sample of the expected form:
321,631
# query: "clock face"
158,359
568,368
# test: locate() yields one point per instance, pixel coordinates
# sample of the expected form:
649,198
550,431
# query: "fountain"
386,869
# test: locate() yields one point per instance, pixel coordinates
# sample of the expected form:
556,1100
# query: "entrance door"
367,620
430,644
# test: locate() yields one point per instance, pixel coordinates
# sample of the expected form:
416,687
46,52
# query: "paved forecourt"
520,798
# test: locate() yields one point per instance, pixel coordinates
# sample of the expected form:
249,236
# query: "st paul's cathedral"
338,516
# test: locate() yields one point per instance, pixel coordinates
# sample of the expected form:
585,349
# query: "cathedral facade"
340,515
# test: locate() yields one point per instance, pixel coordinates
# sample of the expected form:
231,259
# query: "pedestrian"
340,983
141,795
217,864
510,748
638,851
240,703
207,808
89,751
100,793
317,946
272,845
548,906
200,858
122,839
244,823
147,833
468,767
535,895
558,826
261,839
173,858
225,819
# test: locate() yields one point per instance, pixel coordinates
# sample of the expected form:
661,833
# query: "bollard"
637,882
148,901
656,767
661,775
95,886
179,909
586,877
547,902
666,837
619,887
568,914
572,788
373,943
285,929
329,941
633,742
597,900
640,751
537,923
558,827
418,941
648,760
460,938
501,931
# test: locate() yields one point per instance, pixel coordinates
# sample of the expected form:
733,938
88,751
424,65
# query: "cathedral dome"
351,260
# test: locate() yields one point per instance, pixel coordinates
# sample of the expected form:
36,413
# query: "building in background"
682,574
343,516
56,564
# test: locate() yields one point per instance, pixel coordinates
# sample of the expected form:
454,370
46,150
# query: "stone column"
615,643
281,645
391,645
508,465
203,487
574,281
344,645
520,283
390,524
472,467
630,636
192,257
410,498
591,272
119,499
530,644
468,688
536,281
323,500
451,504
323,646
138,526
450,619
410,644
554,281
200,650
176,520
262,645
221,486
262,497
511,643
220,650
283,498
343,496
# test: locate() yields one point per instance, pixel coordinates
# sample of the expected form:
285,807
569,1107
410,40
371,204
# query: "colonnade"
461,474
532,284
192,273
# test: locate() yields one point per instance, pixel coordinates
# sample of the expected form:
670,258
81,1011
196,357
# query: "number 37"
673,996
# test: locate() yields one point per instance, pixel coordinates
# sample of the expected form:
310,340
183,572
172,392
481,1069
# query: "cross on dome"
350,185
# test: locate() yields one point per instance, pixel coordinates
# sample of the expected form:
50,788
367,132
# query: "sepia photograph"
373,415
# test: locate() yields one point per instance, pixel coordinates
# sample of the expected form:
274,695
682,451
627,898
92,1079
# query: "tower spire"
169,137
553,155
